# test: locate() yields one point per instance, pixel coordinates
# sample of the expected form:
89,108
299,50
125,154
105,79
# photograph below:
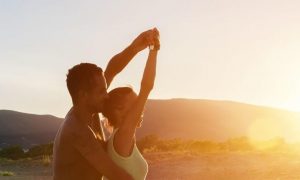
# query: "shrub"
46,161
147,142
6,173
40,150
12,152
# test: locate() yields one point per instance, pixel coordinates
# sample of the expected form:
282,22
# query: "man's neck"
82,113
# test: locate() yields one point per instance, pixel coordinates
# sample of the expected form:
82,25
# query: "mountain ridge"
200,119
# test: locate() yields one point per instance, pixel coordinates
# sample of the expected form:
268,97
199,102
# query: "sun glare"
265,133
262,131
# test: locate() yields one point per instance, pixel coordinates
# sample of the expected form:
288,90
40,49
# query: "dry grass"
186,165
46,161
238,165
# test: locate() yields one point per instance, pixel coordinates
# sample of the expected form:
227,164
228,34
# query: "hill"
174,118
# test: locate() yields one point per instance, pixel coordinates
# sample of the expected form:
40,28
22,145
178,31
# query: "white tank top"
134,164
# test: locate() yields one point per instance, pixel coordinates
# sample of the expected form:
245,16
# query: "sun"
262,131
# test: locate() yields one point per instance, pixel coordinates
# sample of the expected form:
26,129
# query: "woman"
124,110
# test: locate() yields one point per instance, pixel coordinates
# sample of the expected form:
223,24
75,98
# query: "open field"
225,166
180,165
31,169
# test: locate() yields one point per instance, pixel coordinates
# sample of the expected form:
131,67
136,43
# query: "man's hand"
144,40
119,61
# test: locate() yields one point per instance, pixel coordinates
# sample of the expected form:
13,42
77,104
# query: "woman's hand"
144,40
156,43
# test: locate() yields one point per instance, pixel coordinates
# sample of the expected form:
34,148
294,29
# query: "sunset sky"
238,50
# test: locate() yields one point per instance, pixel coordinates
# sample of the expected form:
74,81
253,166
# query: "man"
79,151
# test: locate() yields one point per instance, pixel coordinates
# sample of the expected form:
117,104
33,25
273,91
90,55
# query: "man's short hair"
81,77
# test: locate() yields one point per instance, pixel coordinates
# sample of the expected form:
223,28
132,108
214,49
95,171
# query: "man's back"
73,142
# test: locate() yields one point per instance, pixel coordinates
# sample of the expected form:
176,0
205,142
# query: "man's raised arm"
119,61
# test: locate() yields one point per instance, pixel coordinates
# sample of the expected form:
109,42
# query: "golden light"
291,127
262,133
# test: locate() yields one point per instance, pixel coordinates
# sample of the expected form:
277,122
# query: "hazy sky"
246,51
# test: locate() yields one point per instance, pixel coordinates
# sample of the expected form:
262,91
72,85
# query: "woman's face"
126,106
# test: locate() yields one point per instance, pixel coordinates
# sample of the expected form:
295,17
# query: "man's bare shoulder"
72,126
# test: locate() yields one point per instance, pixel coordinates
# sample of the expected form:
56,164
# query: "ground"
186,165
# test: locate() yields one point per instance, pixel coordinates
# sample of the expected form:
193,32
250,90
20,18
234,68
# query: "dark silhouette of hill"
26,129
174,118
